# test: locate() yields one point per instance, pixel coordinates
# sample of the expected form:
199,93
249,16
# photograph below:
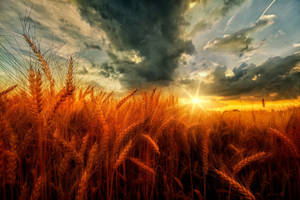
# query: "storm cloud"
280,76
148,32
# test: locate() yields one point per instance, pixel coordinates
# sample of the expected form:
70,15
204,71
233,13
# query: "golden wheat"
69,81
36,191
235,185
123,154
4,92
287,141
83,186
151,142
143,166
38,92
250,159
83,146
127,134
42,60
126,98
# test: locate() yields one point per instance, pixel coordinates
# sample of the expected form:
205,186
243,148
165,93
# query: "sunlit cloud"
240,41
296,45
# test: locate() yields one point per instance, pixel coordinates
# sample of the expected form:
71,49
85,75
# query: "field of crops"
79,143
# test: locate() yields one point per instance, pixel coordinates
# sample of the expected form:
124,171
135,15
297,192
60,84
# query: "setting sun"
195,100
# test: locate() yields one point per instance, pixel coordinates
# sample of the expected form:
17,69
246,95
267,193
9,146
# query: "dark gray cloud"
241,41
152,29
276,75
108,71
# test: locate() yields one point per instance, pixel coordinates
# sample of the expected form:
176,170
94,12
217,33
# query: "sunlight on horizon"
218,104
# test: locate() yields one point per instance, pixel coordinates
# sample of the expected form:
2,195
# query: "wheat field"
79,143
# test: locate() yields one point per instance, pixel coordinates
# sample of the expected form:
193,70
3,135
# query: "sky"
219,48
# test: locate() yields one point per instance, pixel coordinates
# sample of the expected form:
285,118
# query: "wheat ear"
250,159
93,158
69,82
83,146
235,185
83,186
142,165
104,144
4,92
204,156
62,98
179,183
107,97
151,142
68,149
126,98
11,167
38,92
31,79
36,191
123,155
287,141
42,60
128,134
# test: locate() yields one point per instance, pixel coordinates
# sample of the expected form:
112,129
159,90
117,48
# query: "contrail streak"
229,22
266,10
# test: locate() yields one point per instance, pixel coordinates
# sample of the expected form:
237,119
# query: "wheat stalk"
12,155
83,186
38,92
123,155
92,159
85,93
11,167
107,97
205,151
198,193
126,98
69,81
64,94
250,159
4,92
235,185
287,141
68,149
151,142
31,79
179,183
37,188
104,144
250,179
128,134
43,62
163,126
142,165
83,146
64,163
24,192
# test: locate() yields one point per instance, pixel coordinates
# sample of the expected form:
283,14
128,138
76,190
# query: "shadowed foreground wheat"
79,144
